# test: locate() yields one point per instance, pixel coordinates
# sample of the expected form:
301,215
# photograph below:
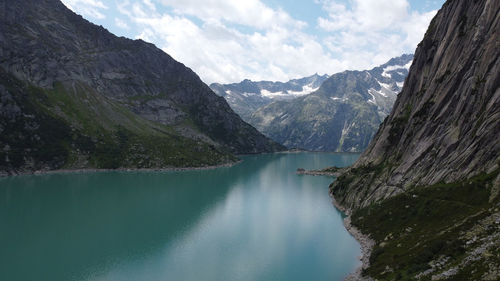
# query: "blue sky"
231,40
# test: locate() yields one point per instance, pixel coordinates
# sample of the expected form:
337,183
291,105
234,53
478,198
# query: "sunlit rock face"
445,124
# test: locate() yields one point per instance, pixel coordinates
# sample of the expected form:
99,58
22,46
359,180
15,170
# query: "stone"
444,126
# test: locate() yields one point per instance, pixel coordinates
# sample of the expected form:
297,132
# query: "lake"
257,220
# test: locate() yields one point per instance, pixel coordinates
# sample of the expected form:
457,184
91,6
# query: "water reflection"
255,221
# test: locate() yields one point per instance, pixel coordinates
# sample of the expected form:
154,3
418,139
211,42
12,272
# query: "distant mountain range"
73,95
337,113
248,96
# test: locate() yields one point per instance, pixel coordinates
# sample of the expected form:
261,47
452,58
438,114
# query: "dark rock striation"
445,124
427,188
97,85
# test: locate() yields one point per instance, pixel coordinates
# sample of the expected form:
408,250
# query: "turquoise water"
257,220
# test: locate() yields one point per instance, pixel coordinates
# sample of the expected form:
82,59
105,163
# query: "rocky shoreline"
365,242
324,172
93,170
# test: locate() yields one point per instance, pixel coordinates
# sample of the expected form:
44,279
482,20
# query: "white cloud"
415,27
364,15
90,8
276,49
370,32
249,12
121,24
229,40
149,4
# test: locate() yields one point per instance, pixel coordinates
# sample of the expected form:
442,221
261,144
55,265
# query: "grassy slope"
435,228
78,128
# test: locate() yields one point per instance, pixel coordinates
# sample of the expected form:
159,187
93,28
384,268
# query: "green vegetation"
333,169
367,172
74,127
398,125
429,224
424,110
44,139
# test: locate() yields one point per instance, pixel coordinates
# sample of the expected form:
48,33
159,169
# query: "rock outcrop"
445,124
427,188
98,85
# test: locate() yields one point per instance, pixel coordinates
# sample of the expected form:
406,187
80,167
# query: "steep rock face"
445,124
43,42
427,188
248,96
46,46
342,115
51,129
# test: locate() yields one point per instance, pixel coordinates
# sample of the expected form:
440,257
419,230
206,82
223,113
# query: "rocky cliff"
445,124
104,92
342,115
426,190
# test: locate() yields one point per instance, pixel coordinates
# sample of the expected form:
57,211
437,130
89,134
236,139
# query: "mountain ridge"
342,115
247,96
420,120
99,84
426,190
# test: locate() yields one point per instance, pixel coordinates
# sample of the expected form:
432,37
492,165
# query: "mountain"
427,187
74,95
247,96
342,115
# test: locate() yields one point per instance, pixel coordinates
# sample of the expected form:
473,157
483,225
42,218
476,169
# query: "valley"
178,154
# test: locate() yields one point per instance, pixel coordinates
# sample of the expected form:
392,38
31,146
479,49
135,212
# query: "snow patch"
386,86
306,90
386,75
372,100
372,91
339,99
395,67
400,84
407,66
271,95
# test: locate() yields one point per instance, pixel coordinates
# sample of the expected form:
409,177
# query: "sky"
226,41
